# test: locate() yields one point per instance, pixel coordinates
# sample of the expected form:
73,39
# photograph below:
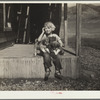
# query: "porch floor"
18,50
21,50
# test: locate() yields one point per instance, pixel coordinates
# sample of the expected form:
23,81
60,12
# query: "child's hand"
47,50
43,29
43,50
56,51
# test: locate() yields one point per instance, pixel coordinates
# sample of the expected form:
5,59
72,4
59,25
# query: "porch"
18,61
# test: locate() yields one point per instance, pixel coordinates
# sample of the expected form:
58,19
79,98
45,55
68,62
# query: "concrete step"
18,61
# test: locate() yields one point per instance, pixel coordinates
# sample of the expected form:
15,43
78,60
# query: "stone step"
18,61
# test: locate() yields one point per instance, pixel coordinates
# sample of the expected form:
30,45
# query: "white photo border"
50,94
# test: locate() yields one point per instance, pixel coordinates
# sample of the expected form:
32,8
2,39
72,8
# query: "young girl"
50,46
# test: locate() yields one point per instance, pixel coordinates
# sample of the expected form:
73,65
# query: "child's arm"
41,36
59,40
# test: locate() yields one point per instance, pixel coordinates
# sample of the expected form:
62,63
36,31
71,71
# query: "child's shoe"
46,76
58,75
47,73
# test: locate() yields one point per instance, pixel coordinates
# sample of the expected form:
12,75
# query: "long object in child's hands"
69,51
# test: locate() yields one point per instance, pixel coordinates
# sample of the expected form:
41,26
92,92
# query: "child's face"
48,30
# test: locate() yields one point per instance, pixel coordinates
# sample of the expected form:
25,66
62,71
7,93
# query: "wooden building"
22,24
26,19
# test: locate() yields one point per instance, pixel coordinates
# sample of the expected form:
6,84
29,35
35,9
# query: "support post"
78,29
4,17
26,22
65,26
61,32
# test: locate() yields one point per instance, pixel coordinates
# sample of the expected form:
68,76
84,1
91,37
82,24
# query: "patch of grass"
88,42
91,42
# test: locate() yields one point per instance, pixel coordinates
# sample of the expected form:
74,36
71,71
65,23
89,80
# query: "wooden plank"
26,24
66,34
65,26
78,29
4,17
61,32
3,39
66,63
74,68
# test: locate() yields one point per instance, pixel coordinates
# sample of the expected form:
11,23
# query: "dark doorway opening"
39,14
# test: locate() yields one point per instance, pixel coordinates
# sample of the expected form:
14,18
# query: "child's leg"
56,61
47,65
47,60
58,67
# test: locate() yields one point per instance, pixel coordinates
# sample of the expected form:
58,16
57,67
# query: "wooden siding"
1,19
5,36
2,35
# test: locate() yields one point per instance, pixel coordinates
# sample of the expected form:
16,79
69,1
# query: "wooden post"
4,17
26,22
65,26
61,32
78,29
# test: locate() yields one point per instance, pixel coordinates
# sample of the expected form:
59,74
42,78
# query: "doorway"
39,14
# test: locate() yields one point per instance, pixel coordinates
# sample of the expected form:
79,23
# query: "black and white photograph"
49,46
